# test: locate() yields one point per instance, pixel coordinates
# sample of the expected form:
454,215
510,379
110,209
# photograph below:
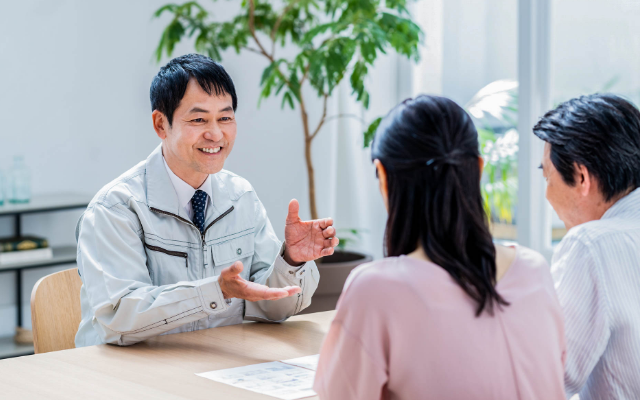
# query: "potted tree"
333,39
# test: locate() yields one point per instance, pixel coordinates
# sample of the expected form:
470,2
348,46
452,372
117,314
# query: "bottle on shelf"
20,181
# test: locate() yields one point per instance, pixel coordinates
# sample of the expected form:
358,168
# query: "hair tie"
453,158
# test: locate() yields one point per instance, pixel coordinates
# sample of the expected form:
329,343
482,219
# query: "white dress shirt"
596,269
185,191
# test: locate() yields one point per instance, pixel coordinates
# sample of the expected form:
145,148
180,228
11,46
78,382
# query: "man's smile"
210,150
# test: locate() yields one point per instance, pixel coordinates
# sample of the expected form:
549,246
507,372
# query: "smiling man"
591,164
177,243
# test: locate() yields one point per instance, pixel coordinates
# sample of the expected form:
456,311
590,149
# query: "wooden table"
163,367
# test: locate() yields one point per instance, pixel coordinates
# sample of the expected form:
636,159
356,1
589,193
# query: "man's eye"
225,119
197,120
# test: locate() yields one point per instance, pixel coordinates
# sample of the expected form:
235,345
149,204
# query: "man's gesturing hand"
233,285
307,240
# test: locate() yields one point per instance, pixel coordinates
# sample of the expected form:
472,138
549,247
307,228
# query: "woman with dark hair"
448,314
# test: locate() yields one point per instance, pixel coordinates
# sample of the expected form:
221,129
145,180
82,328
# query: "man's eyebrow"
540,166
227,108
198,110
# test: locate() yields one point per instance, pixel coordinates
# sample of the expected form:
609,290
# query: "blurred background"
75,114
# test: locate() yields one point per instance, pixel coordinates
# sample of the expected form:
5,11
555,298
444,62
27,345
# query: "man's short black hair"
599,131
168,87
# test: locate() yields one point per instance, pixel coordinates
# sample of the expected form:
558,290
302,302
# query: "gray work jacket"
147,270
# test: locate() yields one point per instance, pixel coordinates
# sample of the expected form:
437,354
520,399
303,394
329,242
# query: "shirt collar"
185,191
630,202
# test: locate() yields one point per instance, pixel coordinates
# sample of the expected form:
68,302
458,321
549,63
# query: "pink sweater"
405,330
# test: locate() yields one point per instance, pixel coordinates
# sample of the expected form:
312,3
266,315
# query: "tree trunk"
311,178
307,155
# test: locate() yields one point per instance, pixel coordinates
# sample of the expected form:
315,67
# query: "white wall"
74,87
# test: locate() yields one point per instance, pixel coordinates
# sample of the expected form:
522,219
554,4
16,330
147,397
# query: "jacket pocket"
166,266
233,250
230,251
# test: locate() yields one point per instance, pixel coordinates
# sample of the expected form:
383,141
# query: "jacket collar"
161,194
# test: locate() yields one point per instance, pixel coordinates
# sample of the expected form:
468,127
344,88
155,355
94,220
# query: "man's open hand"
307,240
233,285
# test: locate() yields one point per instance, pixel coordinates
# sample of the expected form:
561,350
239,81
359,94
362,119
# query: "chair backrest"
55,311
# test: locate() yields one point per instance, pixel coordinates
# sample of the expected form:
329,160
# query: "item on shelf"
24,249
20,181
22,243
15,257
23,336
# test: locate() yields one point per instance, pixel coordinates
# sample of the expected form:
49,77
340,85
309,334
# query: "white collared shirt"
596,269
185,191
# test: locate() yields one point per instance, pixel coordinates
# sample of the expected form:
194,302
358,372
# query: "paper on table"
284,380
308,362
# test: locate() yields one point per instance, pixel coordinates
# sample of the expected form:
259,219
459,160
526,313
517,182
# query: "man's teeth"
211,150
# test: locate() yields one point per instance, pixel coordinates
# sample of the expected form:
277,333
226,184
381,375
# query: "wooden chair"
55,311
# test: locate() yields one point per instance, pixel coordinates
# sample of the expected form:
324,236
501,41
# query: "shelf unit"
61,255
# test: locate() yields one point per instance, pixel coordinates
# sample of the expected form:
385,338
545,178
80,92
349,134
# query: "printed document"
287,380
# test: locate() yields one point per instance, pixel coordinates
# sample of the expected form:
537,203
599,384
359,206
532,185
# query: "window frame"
534,98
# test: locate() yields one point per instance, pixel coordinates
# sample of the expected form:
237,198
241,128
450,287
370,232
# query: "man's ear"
584,180
160,124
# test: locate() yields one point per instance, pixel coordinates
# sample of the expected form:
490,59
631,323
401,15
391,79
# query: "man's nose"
214,133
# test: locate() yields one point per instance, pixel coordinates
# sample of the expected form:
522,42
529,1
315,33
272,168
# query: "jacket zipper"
169,252
224,214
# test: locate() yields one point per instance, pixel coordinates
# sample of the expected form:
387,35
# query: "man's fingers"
294,208
291,290
272,294
326,252
280,293
257,292
232,270
325,223
331,242
329,232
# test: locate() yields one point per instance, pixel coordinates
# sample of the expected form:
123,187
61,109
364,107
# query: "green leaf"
371,131
170,37
315,31
358,74
266,74
167,7
287,98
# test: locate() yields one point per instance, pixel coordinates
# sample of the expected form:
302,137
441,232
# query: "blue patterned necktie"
199,202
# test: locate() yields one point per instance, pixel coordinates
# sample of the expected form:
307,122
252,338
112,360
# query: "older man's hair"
599,131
